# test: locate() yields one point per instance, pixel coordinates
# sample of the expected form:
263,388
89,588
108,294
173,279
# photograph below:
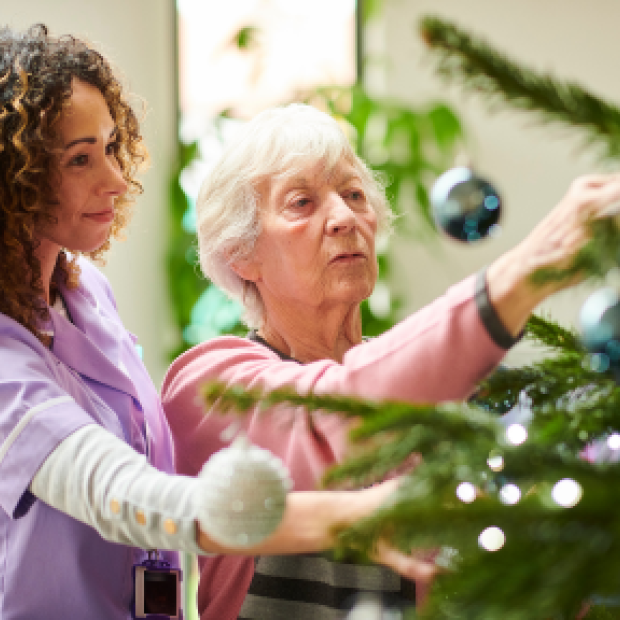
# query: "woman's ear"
246,269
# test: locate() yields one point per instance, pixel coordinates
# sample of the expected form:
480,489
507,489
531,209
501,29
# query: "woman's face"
317,243
87,177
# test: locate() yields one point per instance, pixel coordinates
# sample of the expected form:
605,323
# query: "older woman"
287,222
86,466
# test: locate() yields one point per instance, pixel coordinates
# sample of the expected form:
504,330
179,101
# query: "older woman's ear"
246,268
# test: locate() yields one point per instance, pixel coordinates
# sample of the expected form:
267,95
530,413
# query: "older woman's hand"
417,568
420,568
553,243
312,520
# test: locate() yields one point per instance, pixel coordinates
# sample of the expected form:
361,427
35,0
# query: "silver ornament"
246,488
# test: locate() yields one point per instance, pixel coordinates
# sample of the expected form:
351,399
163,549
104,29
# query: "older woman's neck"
314,335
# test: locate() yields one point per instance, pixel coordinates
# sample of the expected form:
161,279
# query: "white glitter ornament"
374,606
245,488
367,607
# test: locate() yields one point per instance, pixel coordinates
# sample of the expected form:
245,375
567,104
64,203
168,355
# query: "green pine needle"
547,332
476,65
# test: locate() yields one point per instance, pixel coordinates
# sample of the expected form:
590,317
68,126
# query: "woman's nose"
341,218
113,181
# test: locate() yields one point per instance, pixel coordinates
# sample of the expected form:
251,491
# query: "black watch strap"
498,333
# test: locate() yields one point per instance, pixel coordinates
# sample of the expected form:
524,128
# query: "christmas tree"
517,487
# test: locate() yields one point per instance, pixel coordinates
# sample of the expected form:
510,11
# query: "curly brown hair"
36,75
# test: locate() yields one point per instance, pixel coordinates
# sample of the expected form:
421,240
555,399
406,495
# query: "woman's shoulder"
16,339
23,357
208,360
213,360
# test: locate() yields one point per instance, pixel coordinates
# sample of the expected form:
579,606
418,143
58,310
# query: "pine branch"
547,332
578,418
542,382
456,420
241,400
479,67
397,429
555,384
552,559
571,406
598,612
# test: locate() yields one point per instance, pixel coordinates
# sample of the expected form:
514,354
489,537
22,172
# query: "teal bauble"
465,206
600,329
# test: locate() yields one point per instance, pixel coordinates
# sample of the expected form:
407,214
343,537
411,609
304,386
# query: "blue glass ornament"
600,330
464,206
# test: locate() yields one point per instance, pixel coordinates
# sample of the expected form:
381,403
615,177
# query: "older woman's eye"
356,194
300,203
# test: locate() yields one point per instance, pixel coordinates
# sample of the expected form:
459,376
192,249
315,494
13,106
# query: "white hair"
278,142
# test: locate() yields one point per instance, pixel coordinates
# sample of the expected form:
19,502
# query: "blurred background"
189,61
200,68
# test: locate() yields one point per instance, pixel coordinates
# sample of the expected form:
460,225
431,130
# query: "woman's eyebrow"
298,182
345,179
86,140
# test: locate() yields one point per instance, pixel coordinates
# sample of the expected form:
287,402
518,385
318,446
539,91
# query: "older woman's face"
317,243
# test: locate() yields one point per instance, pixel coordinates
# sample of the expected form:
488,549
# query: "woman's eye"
111,148
300,203
79,160
356,195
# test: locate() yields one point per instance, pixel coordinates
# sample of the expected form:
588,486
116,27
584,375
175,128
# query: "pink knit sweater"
438,354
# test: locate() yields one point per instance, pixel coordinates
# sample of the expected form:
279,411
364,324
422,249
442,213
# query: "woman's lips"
101,216
348,258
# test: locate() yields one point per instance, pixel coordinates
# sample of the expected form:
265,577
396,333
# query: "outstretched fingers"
406,565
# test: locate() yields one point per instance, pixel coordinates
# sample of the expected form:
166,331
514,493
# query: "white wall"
531,165
138,36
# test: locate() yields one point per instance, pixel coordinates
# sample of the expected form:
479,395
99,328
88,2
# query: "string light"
466,492
613,441
509,494
567,492
516,434
492,539
496,463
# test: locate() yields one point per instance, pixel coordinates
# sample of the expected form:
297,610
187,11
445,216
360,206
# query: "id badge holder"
156,590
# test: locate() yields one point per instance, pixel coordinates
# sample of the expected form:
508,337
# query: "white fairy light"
466,492
496,463
567,492
509,494
613,441
516,434
492,539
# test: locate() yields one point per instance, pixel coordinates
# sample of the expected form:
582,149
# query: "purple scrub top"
52,566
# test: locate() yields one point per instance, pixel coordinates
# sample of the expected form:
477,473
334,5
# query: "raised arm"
553,243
